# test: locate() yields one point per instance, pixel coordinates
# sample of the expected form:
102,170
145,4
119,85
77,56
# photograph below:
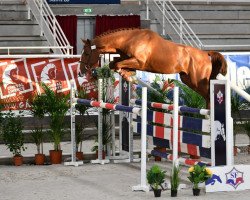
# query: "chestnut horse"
145,50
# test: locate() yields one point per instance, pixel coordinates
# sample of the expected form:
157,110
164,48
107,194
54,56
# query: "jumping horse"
145,50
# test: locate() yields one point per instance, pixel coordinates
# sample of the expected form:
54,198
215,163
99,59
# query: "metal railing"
172,17
180,30
50,27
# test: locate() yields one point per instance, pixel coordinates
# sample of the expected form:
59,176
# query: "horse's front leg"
126,68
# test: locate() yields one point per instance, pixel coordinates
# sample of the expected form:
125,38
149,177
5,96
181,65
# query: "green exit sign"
87,10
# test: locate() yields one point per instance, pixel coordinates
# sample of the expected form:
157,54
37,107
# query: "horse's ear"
84,41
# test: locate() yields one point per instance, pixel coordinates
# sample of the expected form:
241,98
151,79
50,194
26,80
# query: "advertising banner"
229,178
84,1
20,79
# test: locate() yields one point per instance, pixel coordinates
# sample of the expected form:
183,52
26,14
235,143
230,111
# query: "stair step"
20,43
22,38
17,22
18,15
19,30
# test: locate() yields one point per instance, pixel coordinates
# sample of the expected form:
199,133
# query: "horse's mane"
114,31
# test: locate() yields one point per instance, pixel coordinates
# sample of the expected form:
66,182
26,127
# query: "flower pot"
235,151
103,154
173,193
39,159
196,191
157,192
18,160
55,156
79,155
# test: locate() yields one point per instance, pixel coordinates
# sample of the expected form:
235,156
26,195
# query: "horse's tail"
219,64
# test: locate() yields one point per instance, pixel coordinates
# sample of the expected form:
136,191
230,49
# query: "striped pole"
183,109
109,106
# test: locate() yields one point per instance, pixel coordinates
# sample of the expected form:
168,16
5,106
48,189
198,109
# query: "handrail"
178,23
49,25
33,47
181,27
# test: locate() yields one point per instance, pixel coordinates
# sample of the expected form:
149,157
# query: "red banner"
21,78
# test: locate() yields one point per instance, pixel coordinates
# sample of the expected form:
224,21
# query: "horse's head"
89,58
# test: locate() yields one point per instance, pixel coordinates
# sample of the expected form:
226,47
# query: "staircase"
17,30
30,27
222,26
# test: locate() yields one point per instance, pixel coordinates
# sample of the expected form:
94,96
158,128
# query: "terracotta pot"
103,154
55,156
79,155
196,192
39,159
18,160
157,192
235,151
160,149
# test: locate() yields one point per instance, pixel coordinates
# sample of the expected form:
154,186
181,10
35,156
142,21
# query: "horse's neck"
111,41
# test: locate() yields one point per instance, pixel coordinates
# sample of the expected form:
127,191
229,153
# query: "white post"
73,130
41,17
175,125
229,130
163,18
143,186
147,10
212,122
100,118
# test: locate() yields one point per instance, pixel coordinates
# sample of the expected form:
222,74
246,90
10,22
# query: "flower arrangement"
199,174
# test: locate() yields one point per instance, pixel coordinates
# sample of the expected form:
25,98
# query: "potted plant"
13,136
55,105
156,178
175,180
106,136
80,125
107,75
198,174
38,110
37,135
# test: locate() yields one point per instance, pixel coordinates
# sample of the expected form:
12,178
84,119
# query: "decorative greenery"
156,177
80,126
55,105
189,97
199,174
105,72
38,135
13,136
163,88
107,75
174,178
